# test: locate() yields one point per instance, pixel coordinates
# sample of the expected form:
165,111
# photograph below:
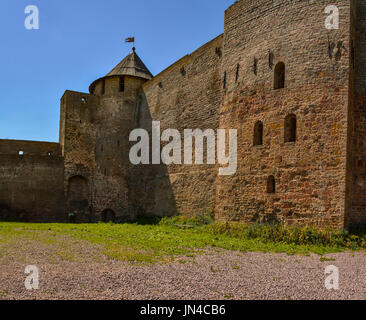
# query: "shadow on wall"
8,215
77,199
151,191
31,181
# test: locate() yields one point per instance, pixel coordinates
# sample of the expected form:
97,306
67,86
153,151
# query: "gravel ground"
218,274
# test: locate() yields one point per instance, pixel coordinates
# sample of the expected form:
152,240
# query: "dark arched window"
279,76
122,84
103,87
290,128
271,184
258,134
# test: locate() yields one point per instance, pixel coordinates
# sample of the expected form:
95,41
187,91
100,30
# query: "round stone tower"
114,119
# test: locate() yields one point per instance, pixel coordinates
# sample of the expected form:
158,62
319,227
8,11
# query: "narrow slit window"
271,185
290,128
103,87
255,66
258,134
122,84
279,76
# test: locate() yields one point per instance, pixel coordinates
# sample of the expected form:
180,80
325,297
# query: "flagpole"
131,40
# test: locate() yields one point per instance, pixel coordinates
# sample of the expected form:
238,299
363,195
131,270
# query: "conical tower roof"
132,65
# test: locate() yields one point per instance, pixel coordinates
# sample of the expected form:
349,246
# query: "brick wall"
309,173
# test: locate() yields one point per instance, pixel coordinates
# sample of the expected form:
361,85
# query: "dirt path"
216,275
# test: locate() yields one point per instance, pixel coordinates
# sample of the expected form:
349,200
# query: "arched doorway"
77,198
108,215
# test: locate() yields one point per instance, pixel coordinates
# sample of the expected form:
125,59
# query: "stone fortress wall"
294,91
185,96
31,181
309,171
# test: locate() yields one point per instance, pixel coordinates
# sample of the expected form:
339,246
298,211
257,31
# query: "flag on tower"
132,39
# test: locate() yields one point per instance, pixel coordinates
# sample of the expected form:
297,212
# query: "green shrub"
289,235
202,219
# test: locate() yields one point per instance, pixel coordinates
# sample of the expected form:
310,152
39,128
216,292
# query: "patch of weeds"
212,268
325,259
236,267
321,240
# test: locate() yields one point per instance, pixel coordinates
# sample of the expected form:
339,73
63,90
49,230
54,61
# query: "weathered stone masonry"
294,90
310,173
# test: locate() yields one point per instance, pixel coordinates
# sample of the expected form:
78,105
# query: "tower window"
258,134
271,184
103,87
218,52
290,128
21,152
122,84
224,80
279,76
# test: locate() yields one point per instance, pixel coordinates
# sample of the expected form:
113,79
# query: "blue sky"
81,40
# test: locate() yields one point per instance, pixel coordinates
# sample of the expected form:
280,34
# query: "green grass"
171,237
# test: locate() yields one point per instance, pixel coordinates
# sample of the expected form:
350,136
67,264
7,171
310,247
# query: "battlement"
29,148
214,44
253,9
